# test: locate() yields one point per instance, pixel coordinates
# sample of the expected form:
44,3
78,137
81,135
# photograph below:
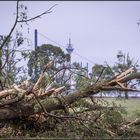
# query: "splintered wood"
42,75
117,79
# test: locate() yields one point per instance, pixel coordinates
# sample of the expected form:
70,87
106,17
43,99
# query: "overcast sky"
98,29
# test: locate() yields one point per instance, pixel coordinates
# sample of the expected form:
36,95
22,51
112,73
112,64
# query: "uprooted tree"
32,100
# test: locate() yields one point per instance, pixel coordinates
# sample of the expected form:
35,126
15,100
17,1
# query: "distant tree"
79,76
41,56
101,72
124,61
8,68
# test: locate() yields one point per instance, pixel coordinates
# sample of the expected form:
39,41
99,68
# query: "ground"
132,106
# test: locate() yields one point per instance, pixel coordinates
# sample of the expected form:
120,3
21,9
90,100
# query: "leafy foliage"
124,61
41,56
94,125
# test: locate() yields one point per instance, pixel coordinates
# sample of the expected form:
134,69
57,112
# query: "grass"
132,106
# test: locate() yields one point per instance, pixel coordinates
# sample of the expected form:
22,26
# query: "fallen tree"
19,102
32,103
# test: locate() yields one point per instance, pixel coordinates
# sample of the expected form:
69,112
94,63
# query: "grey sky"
98,29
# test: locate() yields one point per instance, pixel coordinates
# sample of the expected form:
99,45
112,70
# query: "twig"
100,74
38,16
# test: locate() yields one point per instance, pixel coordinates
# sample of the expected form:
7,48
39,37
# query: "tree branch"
8,36
38,16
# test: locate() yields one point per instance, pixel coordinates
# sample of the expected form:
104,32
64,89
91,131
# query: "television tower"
69,49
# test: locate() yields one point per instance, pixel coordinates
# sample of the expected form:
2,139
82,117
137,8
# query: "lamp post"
36,39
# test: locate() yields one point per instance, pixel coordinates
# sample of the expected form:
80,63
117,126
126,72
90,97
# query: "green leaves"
42,55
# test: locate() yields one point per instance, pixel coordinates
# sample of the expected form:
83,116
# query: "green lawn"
132,106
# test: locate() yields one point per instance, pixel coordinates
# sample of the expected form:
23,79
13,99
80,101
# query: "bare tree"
7,51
